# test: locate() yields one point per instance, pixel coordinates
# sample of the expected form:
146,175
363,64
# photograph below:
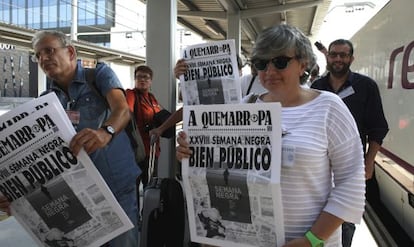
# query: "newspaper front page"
232,179
60,199
212,76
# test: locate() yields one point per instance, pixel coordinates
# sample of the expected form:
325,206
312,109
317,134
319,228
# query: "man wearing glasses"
361,95
99,125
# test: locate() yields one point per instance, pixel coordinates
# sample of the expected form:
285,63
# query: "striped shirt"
327,169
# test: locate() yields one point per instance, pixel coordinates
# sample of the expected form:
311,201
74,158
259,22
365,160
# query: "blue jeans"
128,202
348,230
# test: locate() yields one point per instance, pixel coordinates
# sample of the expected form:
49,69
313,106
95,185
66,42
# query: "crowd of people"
336,128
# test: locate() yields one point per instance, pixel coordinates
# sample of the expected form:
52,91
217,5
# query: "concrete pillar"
234,28
160,55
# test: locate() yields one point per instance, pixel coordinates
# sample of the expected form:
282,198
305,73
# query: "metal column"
160,54
234,28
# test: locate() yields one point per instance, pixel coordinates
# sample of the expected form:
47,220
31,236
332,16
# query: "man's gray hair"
39,35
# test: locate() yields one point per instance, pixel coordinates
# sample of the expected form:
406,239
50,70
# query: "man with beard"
361,95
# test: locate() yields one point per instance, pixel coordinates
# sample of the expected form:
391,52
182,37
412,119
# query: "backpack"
131,129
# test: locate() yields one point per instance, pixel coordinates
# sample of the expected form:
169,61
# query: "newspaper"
60,199
212,76
232,179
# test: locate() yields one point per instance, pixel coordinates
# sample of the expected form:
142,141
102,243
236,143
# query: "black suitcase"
163,218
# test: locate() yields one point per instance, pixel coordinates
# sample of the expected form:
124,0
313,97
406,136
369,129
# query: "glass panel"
101,16
34,17
21,13
81,13
90,13
50,14
5,12
14,11
65,14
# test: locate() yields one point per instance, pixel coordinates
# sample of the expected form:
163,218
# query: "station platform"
363,236
13,235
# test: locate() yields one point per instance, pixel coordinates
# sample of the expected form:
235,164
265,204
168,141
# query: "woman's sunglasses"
280,62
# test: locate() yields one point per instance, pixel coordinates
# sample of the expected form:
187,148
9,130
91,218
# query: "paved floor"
363,237
13,235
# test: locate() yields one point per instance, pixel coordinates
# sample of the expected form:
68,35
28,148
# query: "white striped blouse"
326,172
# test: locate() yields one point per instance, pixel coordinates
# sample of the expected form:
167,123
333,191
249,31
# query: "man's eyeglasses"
280,62
142,77
340,54
47,51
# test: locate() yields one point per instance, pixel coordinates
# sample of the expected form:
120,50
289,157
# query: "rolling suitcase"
163,218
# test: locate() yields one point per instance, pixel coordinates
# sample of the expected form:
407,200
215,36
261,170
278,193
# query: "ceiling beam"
208,15
209,19
192,28
229,5
245,14
312,24
249,13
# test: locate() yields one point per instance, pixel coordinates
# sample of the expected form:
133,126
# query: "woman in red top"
144,105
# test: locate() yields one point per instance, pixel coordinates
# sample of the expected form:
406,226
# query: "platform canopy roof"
210,18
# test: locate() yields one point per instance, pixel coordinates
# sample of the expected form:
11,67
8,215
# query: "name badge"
346,92
288,156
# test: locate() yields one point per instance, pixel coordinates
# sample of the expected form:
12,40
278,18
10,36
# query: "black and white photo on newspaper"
60,199
232,179
212,76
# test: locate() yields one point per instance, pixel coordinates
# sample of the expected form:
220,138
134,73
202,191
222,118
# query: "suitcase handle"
151,160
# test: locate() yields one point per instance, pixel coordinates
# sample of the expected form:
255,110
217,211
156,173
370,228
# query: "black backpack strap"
91,80
251,84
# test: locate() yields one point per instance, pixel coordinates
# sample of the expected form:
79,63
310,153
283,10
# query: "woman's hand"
183,150
180,68
298,242
155,133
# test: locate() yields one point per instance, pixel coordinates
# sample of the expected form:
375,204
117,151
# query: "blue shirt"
116,161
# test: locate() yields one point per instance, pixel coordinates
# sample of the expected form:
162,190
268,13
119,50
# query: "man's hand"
369,169
90,140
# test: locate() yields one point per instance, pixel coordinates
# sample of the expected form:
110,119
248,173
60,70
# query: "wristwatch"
315,241
109,129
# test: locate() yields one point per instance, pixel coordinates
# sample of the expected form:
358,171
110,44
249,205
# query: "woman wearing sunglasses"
323,184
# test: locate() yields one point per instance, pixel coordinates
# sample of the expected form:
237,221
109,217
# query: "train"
384,50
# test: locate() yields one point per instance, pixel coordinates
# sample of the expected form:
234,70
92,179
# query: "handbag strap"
251,84
135,104
148,101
